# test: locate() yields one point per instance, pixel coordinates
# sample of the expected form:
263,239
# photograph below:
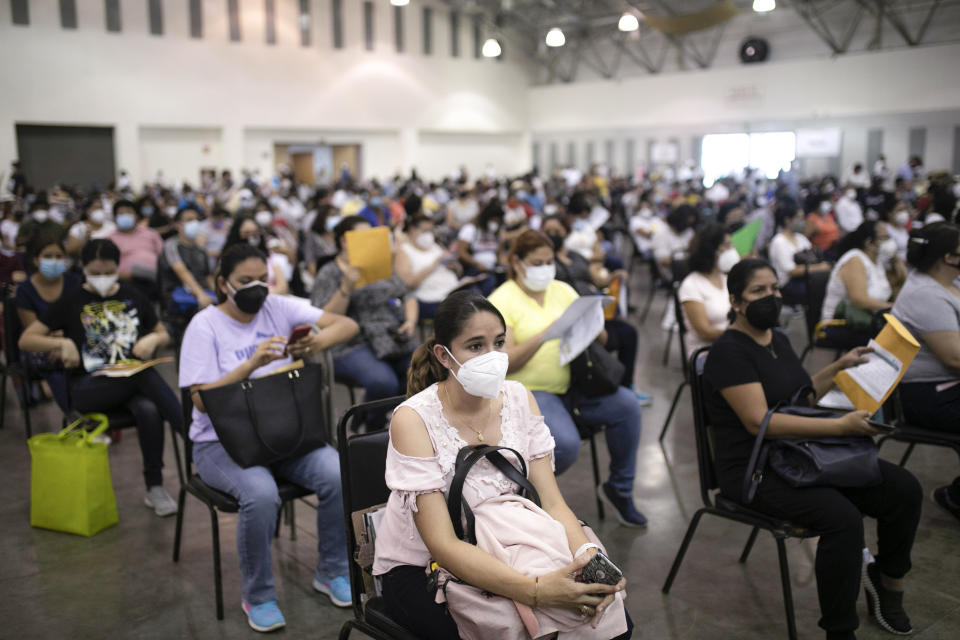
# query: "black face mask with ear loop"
764,313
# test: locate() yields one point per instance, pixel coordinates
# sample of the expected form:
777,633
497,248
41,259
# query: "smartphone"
600,570
298,333
880,426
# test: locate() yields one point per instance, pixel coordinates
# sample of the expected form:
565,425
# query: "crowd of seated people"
101,275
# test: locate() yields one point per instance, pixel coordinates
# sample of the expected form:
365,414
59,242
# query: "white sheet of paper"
879,374
836,399
598,217
579,325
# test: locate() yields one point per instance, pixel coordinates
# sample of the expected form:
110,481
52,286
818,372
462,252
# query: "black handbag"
265,420
596,372
827,461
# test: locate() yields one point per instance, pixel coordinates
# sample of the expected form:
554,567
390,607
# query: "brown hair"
525,244
452,314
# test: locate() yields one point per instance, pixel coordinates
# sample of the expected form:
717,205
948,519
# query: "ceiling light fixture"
555,38
628,22
399,3
491,48
763,6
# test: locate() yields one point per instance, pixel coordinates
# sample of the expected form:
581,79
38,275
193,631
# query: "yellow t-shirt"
526,318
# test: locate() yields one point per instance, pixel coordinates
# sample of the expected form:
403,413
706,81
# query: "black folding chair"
912,435
589,433
215,500
14,366
657,283
362,465
718,505
682,343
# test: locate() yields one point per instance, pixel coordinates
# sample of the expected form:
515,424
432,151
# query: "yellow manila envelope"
369,250
869,385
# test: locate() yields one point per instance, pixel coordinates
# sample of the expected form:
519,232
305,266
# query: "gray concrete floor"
122,583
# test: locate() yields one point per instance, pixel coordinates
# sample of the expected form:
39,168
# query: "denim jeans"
621,414
255,488
379,378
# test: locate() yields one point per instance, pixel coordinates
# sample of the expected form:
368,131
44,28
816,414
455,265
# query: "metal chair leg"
217,578
181,503
666,348
3,398
787,592
596,474
648,304
673,407
906,454
292,519
683,549
749,545
345,630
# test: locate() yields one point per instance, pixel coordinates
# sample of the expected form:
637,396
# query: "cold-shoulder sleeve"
409,477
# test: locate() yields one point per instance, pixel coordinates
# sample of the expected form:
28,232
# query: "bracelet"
536,592
586,546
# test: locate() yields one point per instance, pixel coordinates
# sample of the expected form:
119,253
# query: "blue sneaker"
337,589
264,617
645,399
627,514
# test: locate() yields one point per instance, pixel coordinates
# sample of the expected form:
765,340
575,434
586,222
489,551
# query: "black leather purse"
828,461
265,420
595,372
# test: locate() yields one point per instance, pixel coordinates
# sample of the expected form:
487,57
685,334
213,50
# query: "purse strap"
466,458
293,376
758,458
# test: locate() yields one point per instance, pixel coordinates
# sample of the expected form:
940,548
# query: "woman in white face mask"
429,269
531,301
103,322
457,396
703,292
864,280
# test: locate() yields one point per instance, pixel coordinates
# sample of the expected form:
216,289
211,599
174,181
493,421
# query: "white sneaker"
160,501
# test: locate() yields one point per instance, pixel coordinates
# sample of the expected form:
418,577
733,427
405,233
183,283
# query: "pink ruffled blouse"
398,541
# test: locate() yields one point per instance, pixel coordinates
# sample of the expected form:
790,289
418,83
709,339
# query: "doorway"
53,154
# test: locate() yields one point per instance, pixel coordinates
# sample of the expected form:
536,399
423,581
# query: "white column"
232,135
126,144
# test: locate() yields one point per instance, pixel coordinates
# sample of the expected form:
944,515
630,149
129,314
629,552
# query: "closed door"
349,155
303,167
52,155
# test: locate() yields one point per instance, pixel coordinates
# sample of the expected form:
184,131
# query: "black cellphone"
880,426
600,570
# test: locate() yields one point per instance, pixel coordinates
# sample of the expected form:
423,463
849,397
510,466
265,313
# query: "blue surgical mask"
191,228
52,268
146,210
126,221
332,222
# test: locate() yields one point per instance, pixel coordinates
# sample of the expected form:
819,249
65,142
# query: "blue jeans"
379,378
256,490
621,414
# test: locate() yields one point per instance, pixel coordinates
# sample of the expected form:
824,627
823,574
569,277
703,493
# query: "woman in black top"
105,321
750,368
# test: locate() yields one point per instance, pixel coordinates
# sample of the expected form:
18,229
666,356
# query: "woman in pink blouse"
458,397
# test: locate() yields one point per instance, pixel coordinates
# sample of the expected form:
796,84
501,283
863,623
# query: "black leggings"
837,516
411,605
148,397
623,337
926,408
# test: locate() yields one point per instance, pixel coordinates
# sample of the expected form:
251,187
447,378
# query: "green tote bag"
70,485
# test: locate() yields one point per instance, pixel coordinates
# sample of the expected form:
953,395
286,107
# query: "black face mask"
250,298
764,313
557,241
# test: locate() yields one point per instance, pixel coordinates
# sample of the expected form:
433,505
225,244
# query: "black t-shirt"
576,274
734,359
104,329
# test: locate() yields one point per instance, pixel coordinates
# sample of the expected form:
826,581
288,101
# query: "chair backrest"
363,459
681,329
816,283
12,328
701,424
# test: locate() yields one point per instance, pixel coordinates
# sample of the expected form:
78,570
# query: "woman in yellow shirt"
530,301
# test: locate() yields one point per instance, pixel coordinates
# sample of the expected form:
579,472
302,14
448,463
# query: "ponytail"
424,369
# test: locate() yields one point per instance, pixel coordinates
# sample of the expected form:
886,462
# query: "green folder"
744,239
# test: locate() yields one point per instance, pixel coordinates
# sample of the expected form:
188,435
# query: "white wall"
179,152
136,82
892,91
